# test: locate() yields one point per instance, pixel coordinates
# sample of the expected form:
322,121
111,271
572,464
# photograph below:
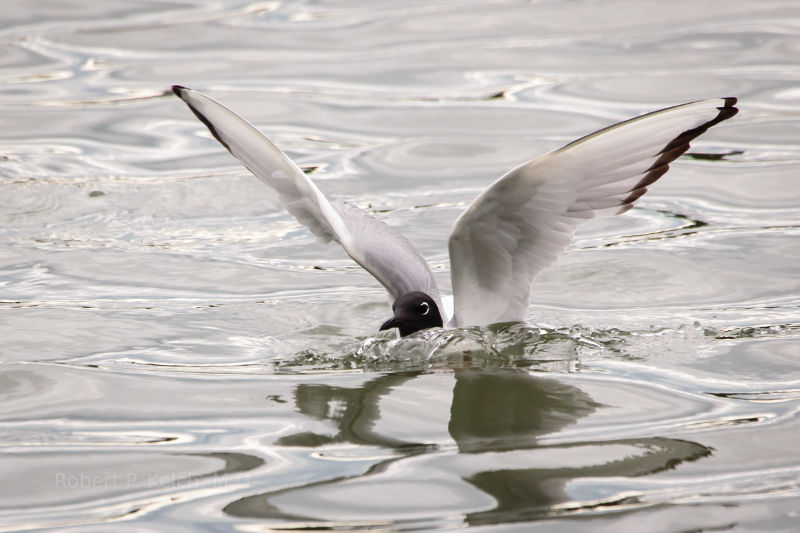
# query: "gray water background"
177,352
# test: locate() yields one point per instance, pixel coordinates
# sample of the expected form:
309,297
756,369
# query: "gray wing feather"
386,254
523,221
377,247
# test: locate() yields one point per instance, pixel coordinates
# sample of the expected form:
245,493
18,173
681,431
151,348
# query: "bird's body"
515,228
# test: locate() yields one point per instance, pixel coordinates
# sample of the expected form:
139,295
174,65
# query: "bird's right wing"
379,248
525,219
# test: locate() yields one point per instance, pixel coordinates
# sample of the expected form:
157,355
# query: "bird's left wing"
379,248
523,221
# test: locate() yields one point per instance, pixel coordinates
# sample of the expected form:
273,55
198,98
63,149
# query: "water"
178,353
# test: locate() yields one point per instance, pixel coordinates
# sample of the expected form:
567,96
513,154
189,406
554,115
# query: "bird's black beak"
389,324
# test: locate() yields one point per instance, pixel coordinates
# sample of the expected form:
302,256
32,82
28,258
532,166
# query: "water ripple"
165,321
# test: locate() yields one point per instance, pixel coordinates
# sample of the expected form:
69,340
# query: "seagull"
518,226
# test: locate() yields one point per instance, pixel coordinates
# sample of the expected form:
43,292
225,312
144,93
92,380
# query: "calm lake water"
178,353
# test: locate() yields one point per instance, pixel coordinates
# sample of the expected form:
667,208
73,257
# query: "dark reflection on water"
497,419
504,409
356,420
234,463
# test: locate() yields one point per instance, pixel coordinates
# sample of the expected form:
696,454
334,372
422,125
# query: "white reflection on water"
162,317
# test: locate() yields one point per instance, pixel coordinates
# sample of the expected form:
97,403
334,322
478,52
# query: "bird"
514,229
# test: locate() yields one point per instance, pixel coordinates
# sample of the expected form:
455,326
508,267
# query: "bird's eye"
424,308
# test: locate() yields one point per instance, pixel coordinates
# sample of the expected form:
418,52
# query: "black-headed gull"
514,229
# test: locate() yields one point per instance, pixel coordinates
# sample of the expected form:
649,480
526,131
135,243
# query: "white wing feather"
377,247
520,224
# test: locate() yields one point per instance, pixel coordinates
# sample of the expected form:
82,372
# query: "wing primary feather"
379,248
179,91
725,112
525,219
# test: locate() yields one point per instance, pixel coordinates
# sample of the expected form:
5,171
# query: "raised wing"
377,247
525,219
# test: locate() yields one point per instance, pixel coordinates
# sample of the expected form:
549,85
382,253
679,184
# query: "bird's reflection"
353,410
502,409
497,418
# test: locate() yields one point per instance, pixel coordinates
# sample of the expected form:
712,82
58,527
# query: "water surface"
178,352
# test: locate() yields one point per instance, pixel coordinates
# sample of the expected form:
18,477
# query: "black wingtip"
678,146
178,90
727,111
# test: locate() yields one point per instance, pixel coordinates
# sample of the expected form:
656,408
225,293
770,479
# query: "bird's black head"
412,312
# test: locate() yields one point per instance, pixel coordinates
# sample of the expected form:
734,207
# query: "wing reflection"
483,455
503,409
354,411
